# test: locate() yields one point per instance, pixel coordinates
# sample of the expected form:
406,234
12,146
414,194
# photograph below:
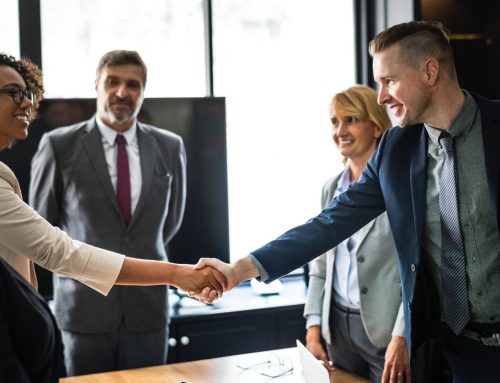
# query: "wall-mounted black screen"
201,123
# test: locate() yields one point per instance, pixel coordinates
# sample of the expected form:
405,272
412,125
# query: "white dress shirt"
345,278
345,281
134,160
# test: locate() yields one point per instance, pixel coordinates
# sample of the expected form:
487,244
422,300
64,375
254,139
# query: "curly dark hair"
31,74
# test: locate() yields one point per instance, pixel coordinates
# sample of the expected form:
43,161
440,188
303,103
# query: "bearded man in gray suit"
118,184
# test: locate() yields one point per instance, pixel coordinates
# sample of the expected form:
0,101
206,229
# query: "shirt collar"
110,134
345,180
462,123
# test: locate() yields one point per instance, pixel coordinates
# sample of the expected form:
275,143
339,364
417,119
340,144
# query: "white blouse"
25,237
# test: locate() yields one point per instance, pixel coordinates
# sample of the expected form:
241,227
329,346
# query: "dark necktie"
455,304
123,178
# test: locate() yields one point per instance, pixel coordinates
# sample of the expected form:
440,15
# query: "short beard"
123,119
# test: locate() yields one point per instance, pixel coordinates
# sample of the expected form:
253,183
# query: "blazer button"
361,259
364,290
413,267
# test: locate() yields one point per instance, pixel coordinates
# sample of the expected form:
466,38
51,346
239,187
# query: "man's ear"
431,70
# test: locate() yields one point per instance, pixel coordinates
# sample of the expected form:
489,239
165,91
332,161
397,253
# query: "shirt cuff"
264,275
102,269
399,325
313,320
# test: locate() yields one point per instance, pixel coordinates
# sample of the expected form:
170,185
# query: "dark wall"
201,122
475,37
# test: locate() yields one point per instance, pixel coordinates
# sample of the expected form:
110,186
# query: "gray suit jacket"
72,189
378,278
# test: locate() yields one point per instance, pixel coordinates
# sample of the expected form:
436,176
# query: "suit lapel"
92,142
7,174
418,180
147,153
363,232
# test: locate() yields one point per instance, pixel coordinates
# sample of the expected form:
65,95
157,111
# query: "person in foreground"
353,296
31,349
25,237
437,176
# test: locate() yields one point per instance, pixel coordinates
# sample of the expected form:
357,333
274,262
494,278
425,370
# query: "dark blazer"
394,181
30,342
72,189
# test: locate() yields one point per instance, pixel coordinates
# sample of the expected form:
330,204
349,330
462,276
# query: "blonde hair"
360,101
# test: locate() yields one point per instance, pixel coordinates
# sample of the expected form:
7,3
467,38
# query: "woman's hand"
397,362
313,344
194,280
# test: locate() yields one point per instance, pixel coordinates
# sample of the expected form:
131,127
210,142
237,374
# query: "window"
169,35
278,63
9,28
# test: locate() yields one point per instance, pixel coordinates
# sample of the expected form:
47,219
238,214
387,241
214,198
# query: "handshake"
210,277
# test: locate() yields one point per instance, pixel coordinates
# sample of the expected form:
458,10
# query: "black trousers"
470,361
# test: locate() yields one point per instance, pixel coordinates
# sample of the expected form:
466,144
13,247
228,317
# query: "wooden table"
217,370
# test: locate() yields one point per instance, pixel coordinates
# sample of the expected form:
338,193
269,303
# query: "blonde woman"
353,299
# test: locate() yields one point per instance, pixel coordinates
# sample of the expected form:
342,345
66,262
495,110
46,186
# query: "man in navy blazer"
413,65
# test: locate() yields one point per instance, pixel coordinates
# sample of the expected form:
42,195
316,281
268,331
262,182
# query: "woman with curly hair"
31,76
30,344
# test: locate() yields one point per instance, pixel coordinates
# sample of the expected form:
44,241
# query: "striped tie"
455,301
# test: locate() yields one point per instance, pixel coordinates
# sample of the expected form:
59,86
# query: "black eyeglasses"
18,95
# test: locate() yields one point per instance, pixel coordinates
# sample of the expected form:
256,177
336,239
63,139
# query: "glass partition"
278,63
169,35
9,28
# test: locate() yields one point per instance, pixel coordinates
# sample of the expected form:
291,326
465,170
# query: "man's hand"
226,269
208,295
313,344
242,270
196,280
397,363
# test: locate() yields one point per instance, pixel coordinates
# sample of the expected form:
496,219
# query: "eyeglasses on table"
274,366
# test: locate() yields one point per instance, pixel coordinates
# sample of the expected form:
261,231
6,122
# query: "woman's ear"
378,131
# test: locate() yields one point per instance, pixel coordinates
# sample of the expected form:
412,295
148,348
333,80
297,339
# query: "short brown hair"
418,40
122,57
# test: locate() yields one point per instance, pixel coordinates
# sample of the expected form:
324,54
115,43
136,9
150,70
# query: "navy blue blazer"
394,181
